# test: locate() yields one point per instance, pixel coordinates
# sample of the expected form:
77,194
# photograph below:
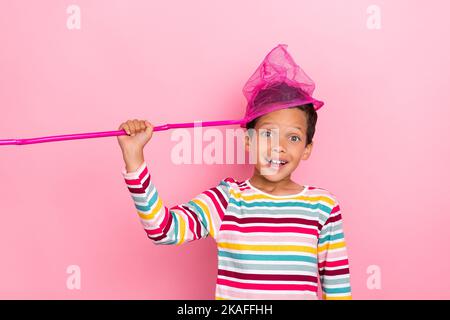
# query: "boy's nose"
278,148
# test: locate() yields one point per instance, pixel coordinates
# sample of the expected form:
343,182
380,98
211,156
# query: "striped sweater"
269,246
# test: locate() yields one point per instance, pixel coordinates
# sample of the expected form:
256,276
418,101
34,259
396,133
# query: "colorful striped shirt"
269,246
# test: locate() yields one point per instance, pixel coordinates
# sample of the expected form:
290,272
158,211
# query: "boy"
276,239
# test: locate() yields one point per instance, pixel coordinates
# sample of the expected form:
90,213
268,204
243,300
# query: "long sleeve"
334,271
182,223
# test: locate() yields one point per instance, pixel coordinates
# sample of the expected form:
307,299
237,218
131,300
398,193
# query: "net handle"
122,132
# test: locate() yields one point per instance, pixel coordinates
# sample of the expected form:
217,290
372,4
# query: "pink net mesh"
278,83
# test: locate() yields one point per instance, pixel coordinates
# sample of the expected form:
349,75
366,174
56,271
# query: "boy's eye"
295,138
266,133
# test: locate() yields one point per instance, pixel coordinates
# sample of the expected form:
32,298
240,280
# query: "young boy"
276,239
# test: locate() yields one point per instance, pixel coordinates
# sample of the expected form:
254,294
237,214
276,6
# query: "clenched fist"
139,132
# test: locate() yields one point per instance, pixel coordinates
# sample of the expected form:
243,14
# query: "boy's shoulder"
324,194
320,190
233,183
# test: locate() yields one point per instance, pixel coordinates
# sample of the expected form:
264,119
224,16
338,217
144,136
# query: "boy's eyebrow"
264,123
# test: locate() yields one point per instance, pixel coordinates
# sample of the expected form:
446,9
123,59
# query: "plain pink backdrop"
381,144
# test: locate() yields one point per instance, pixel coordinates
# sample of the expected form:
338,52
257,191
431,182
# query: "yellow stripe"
205,209
325,297
152,213
236,246
220,298
332,246
330,201
182,228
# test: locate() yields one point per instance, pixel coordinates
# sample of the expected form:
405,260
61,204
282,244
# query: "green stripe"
200,213
331,238
336,290
281,204
176,228
271,257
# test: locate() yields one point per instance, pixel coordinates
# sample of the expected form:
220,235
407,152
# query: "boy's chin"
273,175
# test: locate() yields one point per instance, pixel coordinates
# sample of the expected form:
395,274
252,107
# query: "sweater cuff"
134,174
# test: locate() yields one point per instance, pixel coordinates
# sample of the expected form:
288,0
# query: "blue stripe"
281,204
331,238
271,257
336,290
150,203
202,216
175,220
146,195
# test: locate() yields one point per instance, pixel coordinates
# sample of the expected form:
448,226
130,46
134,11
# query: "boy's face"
279,135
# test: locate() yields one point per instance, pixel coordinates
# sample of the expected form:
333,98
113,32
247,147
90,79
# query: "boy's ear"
307,151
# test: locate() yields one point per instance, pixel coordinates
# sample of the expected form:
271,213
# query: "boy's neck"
283,185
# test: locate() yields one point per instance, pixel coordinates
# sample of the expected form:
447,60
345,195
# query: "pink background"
381,144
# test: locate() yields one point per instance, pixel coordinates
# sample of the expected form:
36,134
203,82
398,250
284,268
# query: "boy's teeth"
277,161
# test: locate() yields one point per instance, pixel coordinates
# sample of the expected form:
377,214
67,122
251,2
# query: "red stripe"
219,209
332,264
334,272
198,223
272,220
268,229
335,209
332,219
137,181
264,286
273,277
160,227
165,229
144,186
188,213
190,216
222,200
231,180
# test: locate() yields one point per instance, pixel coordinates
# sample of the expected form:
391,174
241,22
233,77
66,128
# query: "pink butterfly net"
276,84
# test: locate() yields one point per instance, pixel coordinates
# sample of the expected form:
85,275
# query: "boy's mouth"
276,162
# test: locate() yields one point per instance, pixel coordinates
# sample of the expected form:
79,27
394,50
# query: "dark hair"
311,119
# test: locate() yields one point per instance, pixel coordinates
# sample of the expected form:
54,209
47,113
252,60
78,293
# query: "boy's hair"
311,119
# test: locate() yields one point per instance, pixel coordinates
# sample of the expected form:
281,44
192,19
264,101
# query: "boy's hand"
139,133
